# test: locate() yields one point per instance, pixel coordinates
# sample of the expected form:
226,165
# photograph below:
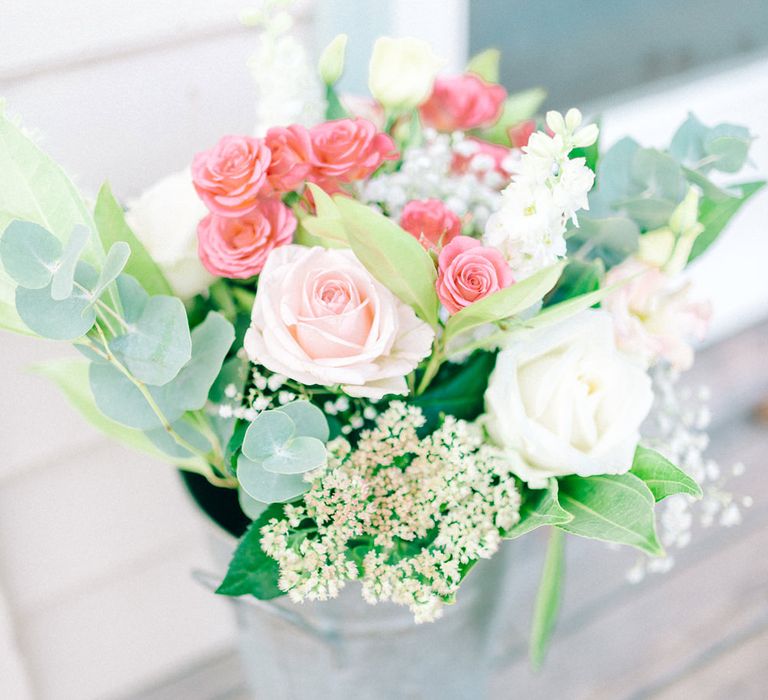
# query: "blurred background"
97,543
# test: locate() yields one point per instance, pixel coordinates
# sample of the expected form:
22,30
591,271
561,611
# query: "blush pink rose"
468,271
291,150
321,318
231,176
520,133
463,102
430,222
653,320
481,157
347,149
238,248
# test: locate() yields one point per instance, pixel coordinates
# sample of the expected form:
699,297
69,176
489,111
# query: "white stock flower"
321,318
165,218
402,72
564,400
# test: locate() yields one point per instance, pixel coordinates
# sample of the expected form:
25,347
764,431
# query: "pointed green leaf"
506,302
486,65
566,309
539,507
579,277
548,598
299,455
613,508
29,253
266,486
661,476
64,275
114,263
110,221
518,107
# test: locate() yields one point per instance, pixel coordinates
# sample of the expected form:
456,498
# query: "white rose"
564,400
321,318
165,218
402,72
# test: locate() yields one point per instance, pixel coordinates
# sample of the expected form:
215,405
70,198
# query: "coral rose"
291,150
238,248
468,271
430,222
463,102
344,150
321,318
231,176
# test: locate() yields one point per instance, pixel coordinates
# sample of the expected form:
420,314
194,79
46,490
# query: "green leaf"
540,507
590,154
163,440
724,147
714,215
661,476
504,303
250,506
392,256
548,598
579,277
517,108
133,298
566,309
29,254
112,227
158,344
251,571
67,319
613,508
114,264
266,486
309,420
610,239
267,435
299,455
457,390
64,275
333,109
486,65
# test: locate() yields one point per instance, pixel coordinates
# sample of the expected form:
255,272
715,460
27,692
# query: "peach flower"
321,318
463,102
430,222
291,150
347,149
238,248
652,320
231,176
468,272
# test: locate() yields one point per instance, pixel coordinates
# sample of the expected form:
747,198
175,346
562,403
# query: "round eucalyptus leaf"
29,254
161,438
133,297
302,454
158,344
250,506
268,487
269,433
309,419
64,275
67,319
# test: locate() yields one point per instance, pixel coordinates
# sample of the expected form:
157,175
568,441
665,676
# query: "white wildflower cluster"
678,429
406,516
288,90
547,190
428,172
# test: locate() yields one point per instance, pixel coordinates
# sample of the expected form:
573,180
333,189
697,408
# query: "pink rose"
520,133
291,150
238,248
468,271
347,149
231,176
463,102
481,157
430,222
321,318
651,320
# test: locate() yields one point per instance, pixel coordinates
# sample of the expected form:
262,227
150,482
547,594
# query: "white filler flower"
567,401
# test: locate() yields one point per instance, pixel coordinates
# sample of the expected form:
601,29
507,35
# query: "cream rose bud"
402,72
165,219
565,400
321,318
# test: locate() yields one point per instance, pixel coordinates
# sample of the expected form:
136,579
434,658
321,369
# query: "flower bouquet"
394,338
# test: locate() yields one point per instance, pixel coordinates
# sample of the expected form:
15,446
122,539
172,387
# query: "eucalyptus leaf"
163,440
539,507
251,571
392,256
29,253
724,147
158,343
301,454
610,239
112,227
505,303
661,476
250,506
64,275
133,298
309,420
613,508
266,486
114,263
268,434
67,319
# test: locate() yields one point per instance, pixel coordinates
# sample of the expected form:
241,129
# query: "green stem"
548,598
432,367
